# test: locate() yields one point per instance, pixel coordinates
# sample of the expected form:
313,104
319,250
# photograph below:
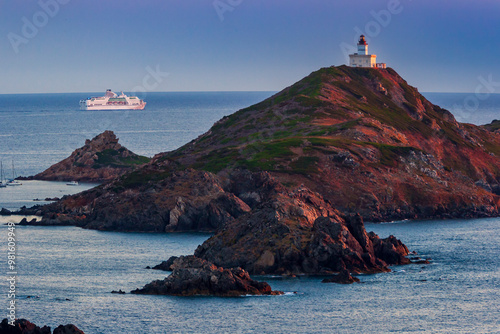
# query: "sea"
66,274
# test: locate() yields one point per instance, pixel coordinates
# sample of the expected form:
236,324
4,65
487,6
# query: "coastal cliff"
362,139
298,232
100,159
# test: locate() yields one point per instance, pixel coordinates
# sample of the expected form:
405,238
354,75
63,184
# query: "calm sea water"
469,107
38,130
66,274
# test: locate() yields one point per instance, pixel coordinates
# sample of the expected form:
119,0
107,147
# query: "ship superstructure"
112,101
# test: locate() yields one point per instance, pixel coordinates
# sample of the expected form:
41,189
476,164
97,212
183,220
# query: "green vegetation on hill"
493,126
371,114
115,158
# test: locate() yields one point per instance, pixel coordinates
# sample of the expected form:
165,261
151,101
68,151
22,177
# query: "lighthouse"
363,46
362,58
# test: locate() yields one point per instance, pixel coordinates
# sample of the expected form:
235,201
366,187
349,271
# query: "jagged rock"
120,292
203,206
193,276
166,265
344,277
296,233
23,326
24,221
5,212
100,159
67,329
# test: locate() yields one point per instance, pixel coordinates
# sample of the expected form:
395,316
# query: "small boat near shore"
13,181
3,184
72,183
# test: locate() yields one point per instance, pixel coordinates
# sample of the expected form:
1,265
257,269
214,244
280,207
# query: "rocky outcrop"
67,329
23,326
299,232
100,159
344,277
5,212
193,276
166,265
494,126
188,200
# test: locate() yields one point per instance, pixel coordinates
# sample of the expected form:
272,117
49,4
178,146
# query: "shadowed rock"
298,232
23,326
193,276
344,277
100,159
67,329
166,265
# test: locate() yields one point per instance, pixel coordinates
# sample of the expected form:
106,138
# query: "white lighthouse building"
362,58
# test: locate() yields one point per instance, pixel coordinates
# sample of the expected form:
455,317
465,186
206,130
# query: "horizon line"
210,91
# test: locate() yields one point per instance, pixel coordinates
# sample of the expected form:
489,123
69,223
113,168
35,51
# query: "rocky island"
100,159
193,276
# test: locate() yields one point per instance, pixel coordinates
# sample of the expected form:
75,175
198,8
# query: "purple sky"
207,45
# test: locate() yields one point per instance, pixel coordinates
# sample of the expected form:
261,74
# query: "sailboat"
13,182
2,181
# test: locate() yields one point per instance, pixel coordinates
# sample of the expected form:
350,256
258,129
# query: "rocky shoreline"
23,326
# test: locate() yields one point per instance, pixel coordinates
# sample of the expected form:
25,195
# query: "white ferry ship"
112,101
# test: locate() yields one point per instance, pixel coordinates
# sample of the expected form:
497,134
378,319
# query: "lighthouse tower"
362,58
362,46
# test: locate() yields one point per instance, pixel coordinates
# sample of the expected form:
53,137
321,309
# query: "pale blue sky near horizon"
242,45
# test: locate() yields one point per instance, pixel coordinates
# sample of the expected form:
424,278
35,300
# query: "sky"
58,46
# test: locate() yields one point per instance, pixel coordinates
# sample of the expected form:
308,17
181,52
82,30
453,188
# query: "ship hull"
136,107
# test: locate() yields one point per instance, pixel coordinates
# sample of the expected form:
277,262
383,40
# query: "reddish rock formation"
192,276
67,329
187,200
100,159
23,326
298,232
344,277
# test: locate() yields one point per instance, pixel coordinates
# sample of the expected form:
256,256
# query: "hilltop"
100,159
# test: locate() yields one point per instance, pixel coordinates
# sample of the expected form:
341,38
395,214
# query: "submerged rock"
120,292
193,276
344,277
